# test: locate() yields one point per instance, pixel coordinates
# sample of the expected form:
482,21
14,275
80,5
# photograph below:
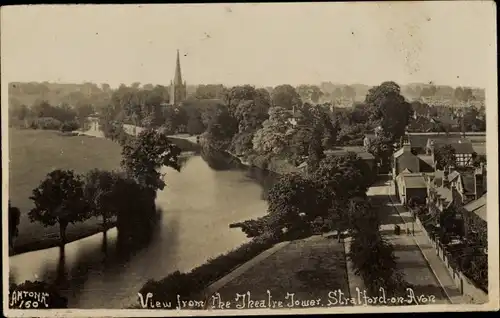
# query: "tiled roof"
478,207
445,193
402,150
408,161
414,182
479,148
425,163
468,183
418,141
463,147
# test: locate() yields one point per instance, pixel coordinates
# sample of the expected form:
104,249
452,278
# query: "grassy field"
33,154
308,268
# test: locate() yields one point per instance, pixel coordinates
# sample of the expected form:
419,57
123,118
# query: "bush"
192,284
374,260
68,126
47,123
44,296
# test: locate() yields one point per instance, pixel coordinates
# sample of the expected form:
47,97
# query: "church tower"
177,87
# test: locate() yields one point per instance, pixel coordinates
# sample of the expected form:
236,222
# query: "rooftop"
413,181
463,147
360,151
478,207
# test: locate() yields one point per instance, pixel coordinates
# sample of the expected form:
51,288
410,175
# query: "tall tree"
445,157
142,158
99,186
272,138
286,96
221,128
59,199
292,203
390,108
233,96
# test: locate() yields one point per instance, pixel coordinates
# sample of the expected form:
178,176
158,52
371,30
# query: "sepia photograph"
249,158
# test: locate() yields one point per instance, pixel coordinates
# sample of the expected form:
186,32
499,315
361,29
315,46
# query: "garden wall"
463,283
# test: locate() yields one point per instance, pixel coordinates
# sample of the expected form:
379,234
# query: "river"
198,205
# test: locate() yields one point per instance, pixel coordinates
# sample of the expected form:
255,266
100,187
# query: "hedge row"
192,284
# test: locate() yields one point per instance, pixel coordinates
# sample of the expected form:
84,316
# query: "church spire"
178,76
177,87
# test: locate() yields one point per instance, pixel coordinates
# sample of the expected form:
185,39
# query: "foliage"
293,203
210,91
14,219
69,126
221,129
192,284
61,113
390,107
362,217
195,124
373,259
143,156
48,123
242,142
445,157
272,138
381,147
52,299
309,92
315,152
59,199
251,114
254,228
344,177
286,96
235,95
100,194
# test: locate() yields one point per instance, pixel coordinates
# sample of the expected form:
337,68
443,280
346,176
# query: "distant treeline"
339,94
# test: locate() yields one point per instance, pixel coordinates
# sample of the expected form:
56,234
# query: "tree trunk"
62,232
104,222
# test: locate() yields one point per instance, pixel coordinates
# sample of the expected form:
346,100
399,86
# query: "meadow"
33,154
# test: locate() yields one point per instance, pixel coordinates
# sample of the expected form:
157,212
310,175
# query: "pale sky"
449,43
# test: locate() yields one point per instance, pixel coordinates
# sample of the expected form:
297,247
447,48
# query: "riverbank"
54,241
33,154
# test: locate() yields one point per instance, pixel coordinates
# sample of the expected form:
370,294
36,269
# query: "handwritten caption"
333,298
28,299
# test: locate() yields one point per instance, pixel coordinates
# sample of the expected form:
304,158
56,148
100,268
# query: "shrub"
374,260
192,284
47,123
68,126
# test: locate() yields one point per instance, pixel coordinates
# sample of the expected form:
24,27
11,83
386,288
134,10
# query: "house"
469,184
464,152
475,221
412,186
420,144
360,151
405,159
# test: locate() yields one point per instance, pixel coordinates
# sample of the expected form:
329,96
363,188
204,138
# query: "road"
410,259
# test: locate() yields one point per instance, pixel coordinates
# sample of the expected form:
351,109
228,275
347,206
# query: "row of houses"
461,189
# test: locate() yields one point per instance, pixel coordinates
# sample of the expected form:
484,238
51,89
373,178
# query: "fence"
463,283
